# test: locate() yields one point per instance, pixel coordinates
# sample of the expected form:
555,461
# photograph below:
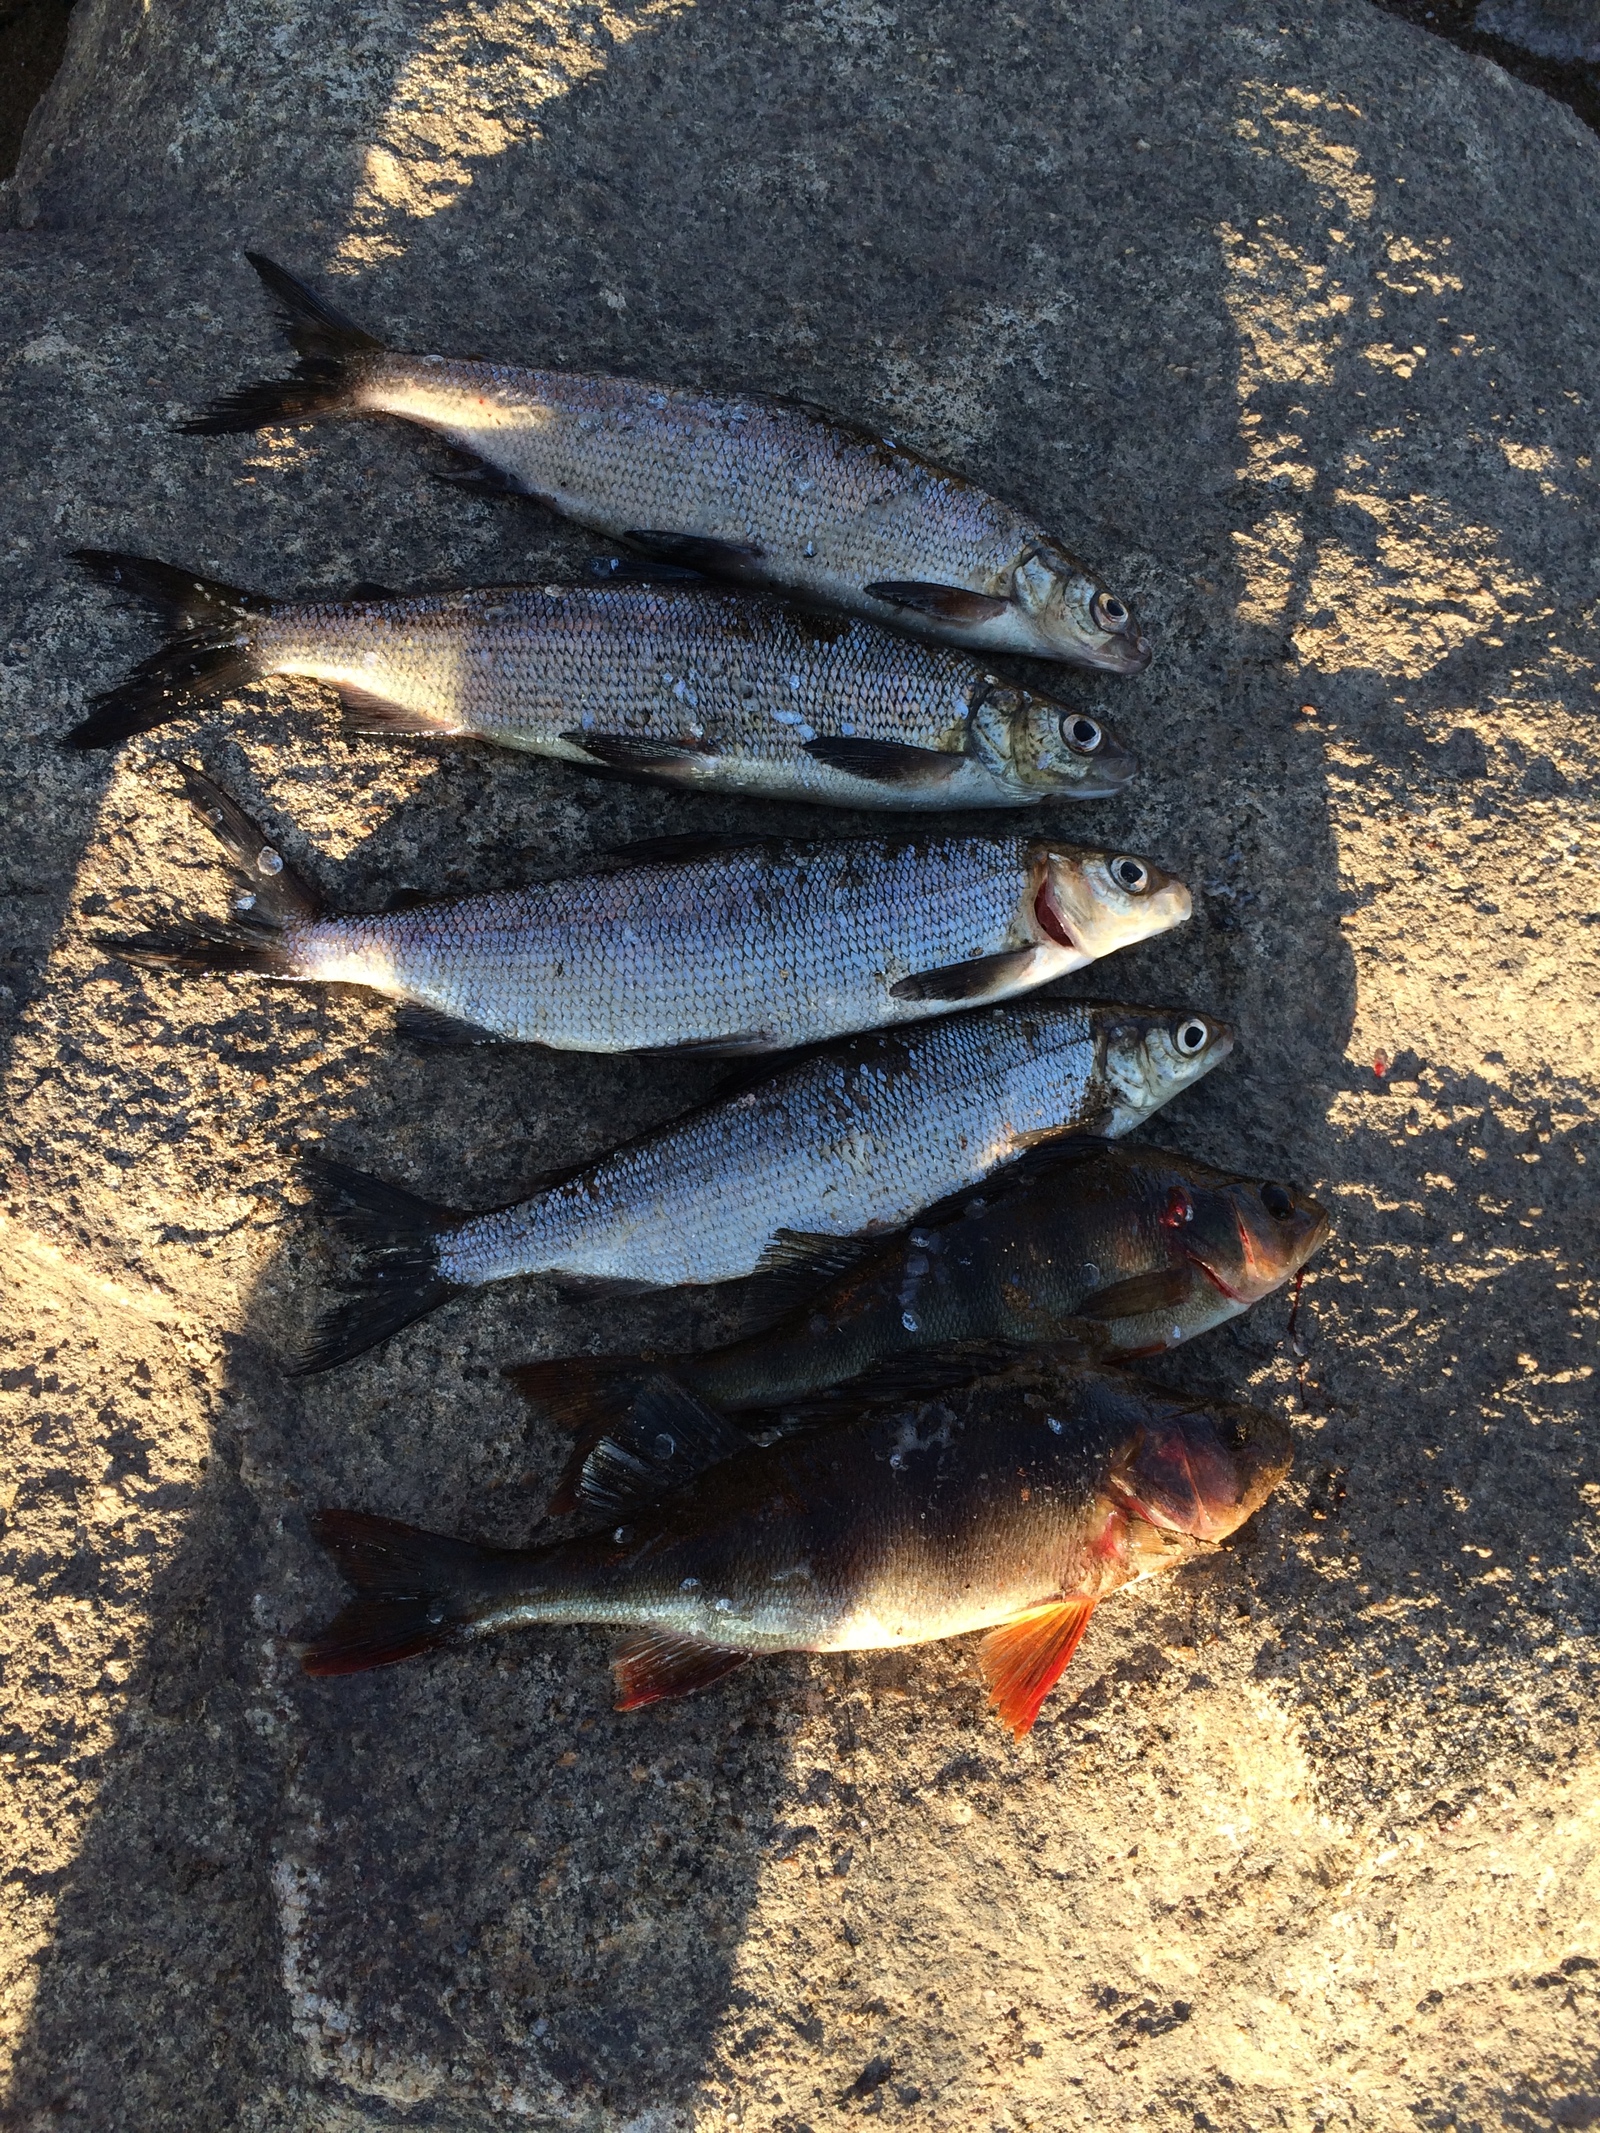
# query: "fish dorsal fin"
669,1438
656,1663
1159,1290
796,1264
675,850
1045,1159
1023,1659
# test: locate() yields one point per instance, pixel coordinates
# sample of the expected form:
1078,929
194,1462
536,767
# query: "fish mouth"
1053,922
1126,655
1107,775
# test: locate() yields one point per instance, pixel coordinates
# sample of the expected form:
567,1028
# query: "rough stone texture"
1286,316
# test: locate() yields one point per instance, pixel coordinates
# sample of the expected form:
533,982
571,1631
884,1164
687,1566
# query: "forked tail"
399,1280
272,898
413,1591
207,655
329,346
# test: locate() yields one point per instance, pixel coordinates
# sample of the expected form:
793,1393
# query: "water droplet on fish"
623,1533
268,861
246,902
1176,1335
724,1606
665,1446
917,1265
1052,1424
1091,1273
811,547
436,1612
690,1585
897,1458
911,1322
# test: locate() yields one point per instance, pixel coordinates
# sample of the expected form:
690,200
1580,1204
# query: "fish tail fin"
401,1280
592,1395
329,345
273,899
208,653
413,1591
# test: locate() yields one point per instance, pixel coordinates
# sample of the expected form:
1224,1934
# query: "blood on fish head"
1202,1471
1251,1236
1095,902
1075,617
1044,746
1147,1058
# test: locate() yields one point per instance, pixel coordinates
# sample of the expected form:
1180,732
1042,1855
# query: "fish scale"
742,680
838,1144
761,947
858,1138
767,491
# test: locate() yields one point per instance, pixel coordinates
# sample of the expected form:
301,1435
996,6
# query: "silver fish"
771,492
690,684
737,949
855,1139
1014,1505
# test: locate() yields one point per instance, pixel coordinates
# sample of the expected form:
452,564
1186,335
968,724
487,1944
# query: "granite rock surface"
1284,317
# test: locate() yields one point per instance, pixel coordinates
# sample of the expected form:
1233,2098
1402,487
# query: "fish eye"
1277,1202
1190,1036
1130,874
1108,612
1080,733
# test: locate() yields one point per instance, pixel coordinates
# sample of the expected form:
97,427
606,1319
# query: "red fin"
655,1663
1023,1660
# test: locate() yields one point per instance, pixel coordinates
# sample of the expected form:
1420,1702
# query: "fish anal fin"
641,570
1140,1293
740,1044
944,603
794,1265
697,551
427,1025
1023,1659
981,977
657,1663
646,758
365,711
885,762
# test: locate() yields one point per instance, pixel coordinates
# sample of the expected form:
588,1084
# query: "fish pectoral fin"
885,762
1137,1295
656,1663
1023,1660
697,551
656,759
945,603
667,1440
982,977
427,1025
